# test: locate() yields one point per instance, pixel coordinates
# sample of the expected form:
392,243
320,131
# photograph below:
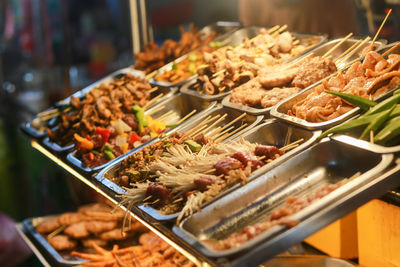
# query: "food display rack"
374,183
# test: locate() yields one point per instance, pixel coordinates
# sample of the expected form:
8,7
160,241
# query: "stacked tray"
299,172
318,51
237,38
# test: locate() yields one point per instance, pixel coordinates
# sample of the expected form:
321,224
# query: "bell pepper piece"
104,132
91,156
108,155
134,137
125,148
87,144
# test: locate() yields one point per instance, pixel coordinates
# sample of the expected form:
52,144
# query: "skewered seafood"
370,78
154,57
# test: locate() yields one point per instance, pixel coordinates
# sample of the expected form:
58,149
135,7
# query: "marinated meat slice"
75,102
275,95
62,242
87,243
269,152
157,191
246,157
312,71
278,79
48,225
203,182
224,165
249,93
115,234
201,139
96,227
69,218
77,230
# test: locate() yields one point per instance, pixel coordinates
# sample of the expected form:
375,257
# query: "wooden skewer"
155,201
197,132
56,232
187,116
209,171
215,123
273,29
348,50
223,132
218,73
275,34
391,49
177,200
230,134
153,100
153,89
235,120
147,198
155,110
371,137
338,44
380,28
47,112
292,145
352,52
48,117
299,60
150,75
165,115
221,88
202,124
296,42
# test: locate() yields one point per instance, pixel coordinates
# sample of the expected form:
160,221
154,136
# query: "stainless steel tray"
30,228
105,175
181,104
366,145
325,163
318,51
167,91
236,38
307,261
223,30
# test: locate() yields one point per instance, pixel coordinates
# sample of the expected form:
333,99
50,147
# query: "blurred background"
52,48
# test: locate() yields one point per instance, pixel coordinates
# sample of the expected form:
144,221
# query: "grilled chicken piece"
48,225
62,242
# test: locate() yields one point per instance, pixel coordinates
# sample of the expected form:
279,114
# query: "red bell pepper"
91,156
134,137
104,132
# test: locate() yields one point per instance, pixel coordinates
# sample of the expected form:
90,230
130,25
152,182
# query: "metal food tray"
318,51
364,144
181,104
236,38
327,162
103,176
223,30
30,227
167,91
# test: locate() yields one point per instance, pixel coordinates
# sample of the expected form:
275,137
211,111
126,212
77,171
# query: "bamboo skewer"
213,124
187,116
56,232
288,66
47,112
150,75
233,121
273,29
153,89
165,115
209,171
230,134
153,100
391,49
223,132
292,145
348,50
337,45
200,125
355,49
380,28
155,110
281,29
296,42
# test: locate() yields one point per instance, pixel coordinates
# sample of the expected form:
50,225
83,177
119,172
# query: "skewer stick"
153,100
371,137
150,75
223,132
380,28
292,145
232,122
273,29
147,198
275,34
187,116
165,115
218,73
56,232
197,132
215,123
391,49
47,112
155,110
155,201
338,44
348,50
209,171
48,117
230,134
201,125
296,42
177,200
299,60
153,89
352,53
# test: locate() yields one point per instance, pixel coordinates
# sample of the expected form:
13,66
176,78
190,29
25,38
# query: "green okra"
377,123
387,103
390,131
359,101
